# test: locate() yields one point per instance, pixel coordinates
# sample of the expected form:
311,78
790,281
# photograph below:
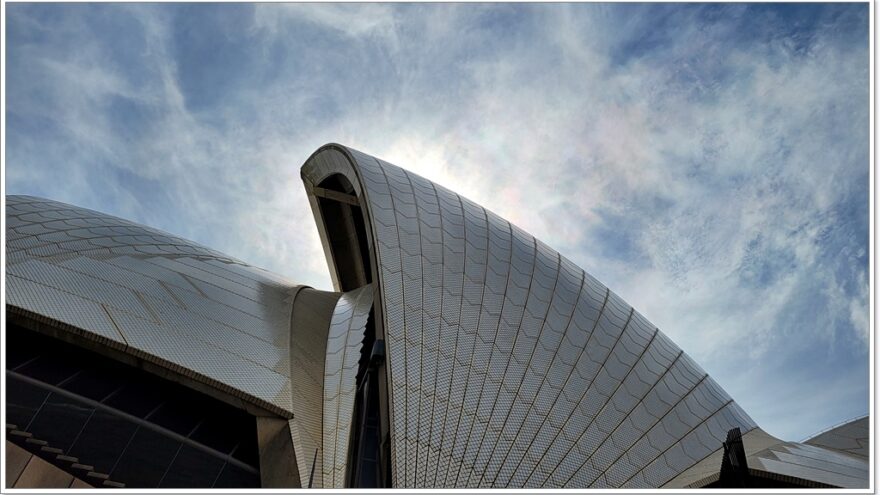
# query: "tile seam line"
188,277
345,349
647,431
395,468
210,319
457,334
804,466
836,451
641,399
93,214
229,273
418,221
66,290
115,325
108,250
182,257
147,306
335,398
99,236
492,352
474,346
439,326
528,363
507,365
172,295
578,360
601,366
604,406
818,468
96,249
544,380
677,442
586,344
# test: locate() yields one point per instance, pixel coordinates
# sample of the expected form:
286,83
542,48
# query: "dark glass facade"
110,424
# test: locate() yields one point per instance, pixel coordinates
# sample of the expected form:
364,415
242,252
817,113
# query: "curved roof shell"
852,437
187,309
195,315
510,366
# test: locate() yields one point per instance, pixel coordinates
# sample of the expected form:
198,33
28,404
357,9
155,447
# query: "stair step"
67,458
114,484
36,441
10,426
19,433
84,467
93,474
52,450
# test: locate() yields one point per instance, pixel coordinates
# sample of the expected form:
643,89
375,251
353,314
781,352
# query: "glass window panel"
59,421
51,368
247,450
192,468
103,441
219,431
177,416
19,350
95,385
139,457
22,401
371,443
235,477
145,460
138,398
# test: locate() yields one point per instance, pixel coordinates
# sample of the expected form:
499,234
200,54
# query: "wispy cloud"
707,162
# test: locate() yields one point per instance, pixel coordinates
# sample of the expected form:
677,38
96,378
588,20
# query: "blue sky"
709,163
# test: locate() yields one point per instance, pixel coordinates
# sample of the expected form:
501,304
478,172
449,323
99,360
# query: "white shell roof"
167,300
852,437
509,366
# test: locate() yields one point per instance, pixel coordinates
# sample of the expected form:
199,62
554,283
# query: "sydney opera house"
456,350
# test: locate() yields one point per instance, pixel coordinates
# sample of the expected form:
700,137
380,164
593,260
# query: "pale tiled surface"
326,342
198,312
185,307
707,470
509,365
344,344
313,311
852,437
813,463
